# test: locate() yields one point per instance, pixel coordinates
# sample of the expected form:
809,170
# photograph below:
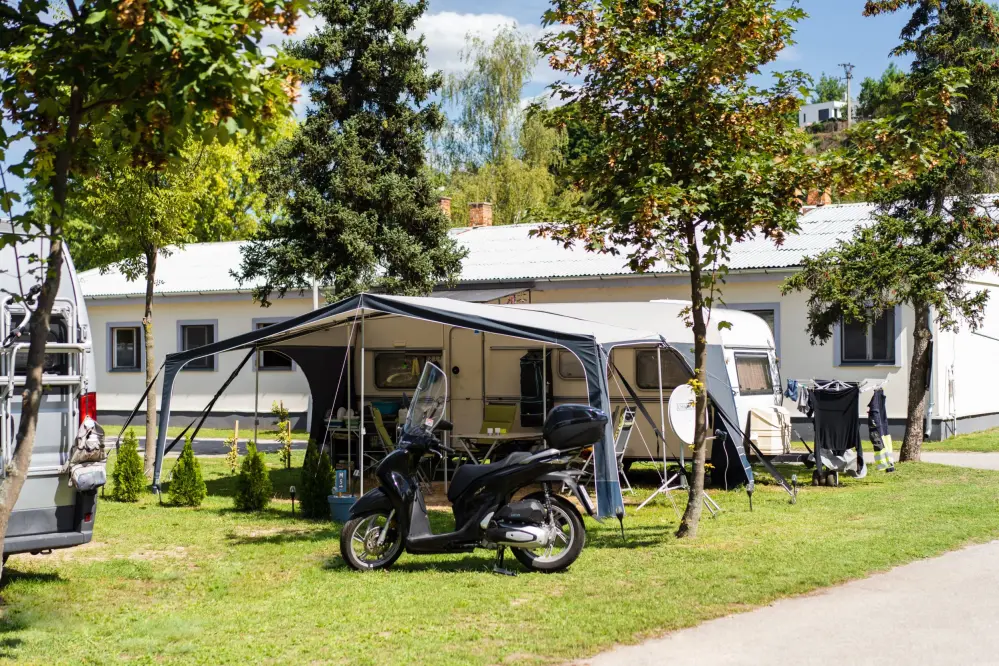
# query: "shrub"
187,487
316,483
253,485
127,477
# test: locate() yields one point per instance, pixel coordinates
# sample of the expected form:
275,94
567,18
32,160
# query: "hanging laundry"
837,428
877,425
804,400
792,389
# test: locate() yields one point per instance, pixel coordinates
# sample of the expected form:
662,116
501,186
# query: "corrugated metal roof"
502,253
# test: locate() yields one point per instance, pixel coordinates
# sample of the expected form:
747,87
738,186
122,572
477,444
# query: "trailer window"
569,367
55,364
753,371
647,376
401,370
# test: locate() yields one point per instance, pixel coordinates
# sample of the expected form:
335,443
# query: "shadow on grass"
11,575
634,537
284,537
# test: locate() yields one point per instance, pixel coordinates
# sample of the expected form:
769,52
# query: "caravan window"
647,376
569,367
753,371
401,370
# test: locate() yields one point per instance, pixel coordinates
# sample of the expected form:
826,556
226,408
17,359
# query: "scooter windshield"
427,407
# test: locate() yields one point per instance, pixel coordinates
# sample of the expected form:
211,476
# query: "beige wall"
799,359
119,391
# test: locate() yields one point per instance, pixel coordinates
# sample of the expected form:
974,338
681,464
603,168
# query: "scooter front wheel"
371,541
569,537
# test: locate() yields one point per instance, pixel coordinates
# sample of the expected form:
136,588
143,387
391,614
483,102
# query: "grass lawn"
986,441
208,585
208,433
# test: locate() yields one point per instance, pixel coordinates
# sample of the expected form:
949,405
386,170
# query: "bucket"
340,507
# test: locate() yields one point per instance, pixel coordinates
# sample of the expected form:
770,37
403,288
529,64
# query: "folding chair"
623,419
497,417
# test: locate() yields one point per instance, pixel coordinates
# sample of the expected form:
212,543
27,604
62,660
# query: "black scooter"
544,530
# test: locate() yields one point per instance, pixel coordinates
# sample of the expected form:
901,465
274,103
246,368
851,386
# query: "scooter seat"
468,474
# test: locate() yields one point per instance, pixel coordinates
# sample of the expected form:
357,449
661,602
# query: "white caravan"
50,513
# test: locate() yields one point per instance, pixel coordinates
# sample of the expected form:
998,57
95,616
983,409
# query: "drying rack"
864,385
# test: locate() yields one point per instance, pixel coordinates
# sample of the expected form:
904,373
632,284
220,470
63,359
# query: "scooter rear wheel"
359,545
570,537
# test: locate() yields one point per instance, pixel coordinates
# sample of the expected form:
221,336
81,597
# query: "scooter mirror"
444,426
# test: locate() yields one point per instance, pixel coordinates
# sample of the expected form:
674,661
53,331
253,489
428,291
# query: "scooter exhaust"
518,536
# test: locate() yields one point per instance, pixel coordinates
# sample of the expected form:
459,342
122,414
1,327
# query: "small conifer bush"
127,478
316,483
187,486
253,485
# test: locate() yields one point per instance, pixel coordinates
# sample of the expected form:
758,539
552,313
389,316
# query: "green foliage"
187,487
883,96
253,485
360,210
316,484
123,214
127,478
488,95
829,89
494,151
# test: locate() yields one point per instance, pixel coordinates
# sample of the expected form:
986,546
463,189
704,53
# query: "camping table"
464,441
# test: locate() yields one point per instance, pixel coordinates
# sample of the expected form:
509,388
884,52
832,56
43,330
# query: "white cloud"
445,34
789,54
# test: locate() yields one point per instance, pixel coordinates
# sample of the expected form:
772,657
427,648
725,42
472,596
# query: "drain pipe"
928,425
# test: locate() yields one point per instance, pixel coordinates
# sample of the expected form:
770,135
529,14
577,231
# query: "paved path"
975,460
950,605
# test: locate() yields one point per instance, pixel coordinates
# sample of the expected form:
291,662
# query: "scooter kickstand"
498,567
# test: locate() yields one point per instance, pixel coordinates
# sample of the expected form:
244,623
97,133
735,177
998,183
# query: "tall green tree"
167,69
693,155
495,150
933,231
829,89
360,209
487,96
127,216
882,96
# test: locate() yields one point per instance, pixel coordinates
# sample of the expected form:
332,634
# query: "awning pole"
662,408
256,393
360,420
346,417
544,383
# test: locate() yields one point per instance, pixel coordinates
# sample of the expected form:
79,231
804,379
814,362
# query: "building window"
268,359
401,370
198,334
869,343
647,376
126,348
569,367
753,372
823,115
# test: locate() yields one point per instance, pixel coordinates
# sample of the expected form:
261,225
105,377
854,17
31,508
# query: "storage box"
770,430
340,507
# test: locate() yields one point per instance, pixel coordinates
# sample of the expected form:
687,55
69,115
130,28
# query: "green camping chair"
383,434
498,417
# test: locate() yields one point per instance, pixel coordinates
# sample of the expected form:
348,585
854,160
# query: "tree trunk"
695,494
150,356
919,389
17,468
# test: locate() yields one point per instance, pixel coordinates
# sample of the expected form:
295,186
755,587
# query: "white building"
198,301
809,114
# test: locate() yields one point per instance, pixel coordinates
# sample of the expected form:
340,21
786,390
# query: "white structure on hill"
197,301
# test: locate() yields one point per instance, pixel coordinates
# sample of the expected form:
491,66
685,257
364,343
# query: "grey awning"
478,295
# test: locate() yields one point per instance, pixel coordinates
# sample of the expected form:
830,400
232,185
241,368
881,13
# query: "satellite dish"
682,411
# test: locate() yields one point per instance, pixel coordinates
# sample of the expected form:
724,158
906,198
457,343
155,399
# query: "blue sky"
834,32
